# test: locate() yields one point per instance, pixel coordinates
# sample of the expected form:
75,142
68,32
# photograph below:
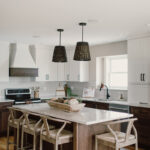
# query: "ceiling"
36,21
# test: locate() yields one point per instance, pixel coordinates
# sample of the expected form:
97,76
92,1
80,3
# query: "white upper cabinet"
76,70
4,61
139,70
139,60
47,68
67,67
68,71
61,72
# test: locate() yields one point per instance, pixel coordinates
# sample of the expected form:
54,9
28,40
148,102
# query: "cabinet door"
4,113
61,72
90,104
53,68
138,93
104,106
67,66
139,60
84,71
4,61
74,68
142,125
47,68
135,61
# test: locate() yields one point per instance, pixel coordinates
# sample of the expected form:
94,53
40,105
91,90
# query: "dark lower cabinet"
4,113
142,125
90,104
98,105
104,106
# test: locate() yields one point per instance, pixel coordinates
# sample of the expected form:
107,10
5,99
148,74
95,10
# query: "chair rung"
12,143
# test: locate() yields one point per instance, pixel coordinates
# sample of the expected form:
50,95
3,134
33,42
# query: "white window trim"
106,68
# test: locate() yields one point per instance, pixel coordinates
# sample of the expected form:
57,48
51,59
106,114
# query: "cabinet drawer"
141,112
102,106
90,104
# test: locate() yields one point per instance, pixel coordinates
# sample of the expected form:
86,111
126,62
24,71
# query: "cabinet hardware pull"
141,78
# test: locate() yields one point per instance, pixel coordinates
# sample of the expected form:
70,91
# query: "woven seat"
65,134
110,138
116,139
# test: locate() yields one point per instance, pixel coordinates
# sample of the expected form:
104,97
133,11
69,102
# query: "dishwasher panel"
120,108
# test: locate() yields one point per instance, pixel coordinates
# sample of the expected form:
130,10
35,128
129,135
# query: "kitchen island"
86,123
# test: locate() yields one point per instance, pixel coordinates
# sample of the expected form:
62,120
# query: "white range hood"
22,61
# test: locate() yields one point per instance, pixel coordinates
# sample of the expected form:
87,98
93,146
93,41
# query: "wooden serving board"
67,107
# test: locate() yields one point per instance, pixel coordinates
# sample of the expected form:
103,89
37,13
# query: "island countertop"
87,116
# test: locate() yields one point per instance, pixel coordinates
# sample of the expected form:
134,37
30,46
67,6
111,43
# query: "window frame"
108,72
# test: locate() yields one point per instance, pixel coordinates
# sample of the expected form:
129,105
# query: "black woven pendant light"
59,54
82,52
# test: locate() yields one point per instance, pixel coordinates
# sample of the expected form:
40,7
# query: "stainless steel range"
21,96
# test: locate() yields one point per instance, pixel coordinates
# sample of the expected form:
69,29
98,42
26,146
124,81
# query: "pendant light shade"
82,52
59,54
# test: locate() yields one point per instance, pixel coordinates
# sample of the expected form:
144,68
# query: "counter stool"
57,136
116,139
15,120
32,128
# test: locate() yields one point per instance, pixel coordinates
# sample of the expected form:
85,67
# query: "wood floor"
3,144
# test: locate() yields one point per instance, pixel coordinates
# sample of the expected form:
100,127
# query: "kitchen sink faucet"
107,93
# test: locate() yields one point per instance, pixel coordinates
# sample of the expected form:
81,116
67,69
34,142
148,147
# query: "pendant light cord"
60,39
82,33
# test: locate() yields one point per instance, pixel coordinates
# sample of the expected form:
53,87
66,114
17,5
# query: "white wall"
116,48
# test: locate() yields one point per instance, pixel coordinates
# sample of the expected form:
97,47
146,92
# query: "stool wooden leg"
18,134
61,147
8,137
96,144
136,146
55,146
41,144
22,139
34,141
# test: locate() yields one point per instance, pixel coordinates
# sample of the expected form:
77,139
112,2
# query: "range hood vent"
22,61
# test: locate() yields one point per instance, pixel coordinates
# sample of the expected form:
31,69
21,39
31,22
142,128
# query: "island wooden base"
84,136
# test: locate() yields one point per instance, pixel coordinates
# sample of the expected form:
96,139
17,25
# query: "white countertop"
120,102
87,116
3,100
117,102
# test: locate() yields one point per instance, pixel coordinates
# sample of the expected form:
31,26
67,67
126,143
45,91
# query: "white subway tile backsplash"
47,89
77,88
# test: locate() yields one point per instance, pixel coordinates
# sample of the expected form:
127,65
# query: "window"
116,71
